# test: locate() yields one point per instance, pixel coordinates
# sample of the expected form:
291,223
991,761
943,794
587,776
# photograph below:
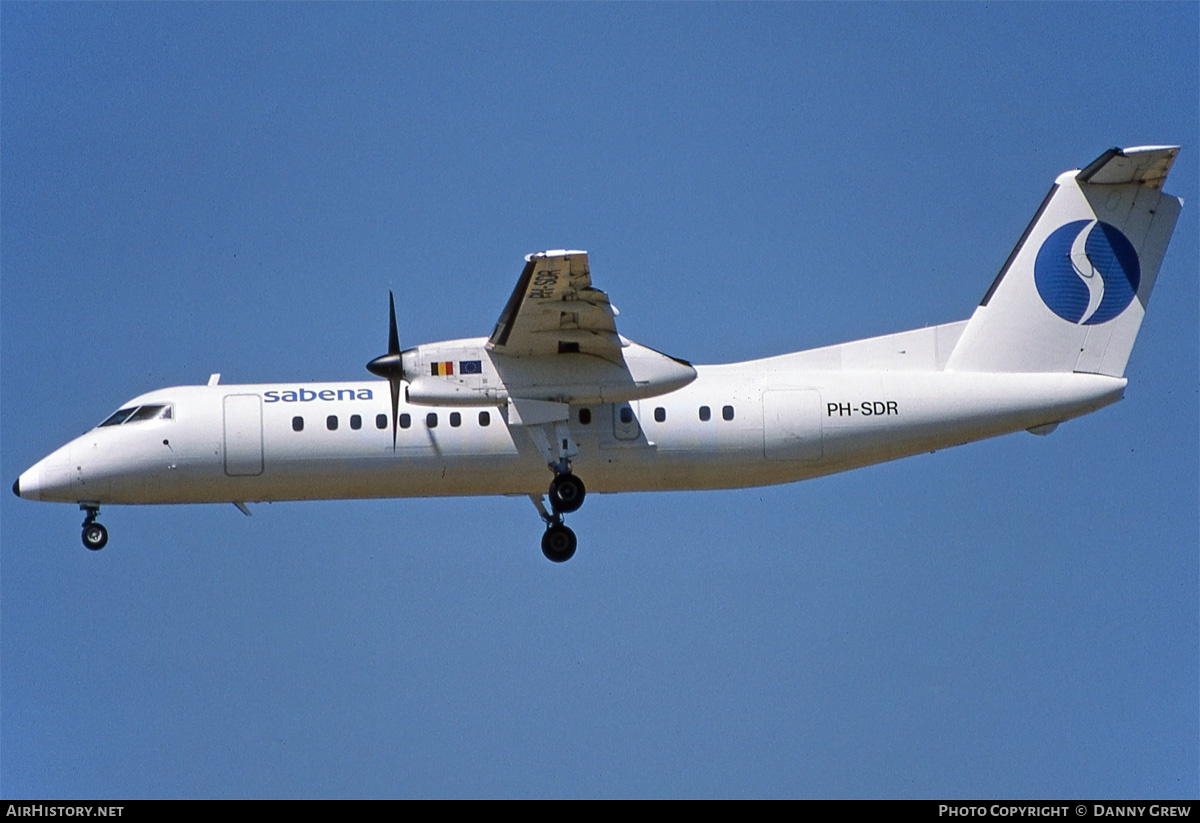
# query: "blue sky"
197,188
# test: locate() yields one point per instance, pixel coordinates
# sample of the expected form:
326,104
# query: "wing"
555,310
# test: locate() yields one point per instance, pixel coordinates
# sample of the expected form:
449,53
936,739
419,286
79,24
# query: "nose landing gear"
95,536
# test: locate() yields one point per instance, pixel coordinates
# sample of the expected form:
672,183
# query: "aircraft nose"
27,486
50,478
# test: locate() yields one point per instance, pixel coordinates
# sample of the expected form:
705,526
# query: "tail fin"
1072,294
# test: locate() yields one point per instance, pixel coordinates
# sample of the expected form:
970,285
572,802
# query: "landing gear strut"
95,536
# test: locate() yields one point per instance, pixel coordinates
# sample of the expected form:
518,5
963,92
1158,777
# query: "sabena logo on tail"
1087,272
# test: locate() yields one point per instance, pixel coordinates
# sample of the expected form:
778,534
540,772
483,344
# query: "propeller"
391,365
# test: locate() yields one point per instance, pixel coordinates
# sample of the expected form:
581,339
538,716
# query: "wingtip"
553,253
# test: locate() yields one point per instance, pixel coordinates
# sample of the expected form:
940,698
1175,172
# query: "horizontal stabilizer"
1147,165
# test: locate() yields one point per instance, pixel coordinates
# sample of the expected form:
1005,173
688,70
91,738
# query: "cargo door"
792,425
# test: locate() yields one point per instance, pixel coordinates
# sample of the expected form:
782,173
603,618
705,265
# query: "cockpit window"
119,417
159,412
135,414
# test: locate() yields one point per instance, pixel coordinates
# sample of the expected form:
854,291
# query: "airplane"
556,394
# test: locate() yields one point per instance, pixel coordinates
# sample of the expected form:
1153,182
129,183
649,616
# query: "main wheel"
95,536
558,543
566,493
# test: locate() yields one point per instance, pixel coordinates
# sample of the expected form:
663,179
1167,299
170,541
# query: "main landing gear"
553,439
95,536
566,495
559,542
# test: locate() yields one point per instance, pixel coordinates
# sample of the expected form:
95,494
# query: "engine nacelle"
465,373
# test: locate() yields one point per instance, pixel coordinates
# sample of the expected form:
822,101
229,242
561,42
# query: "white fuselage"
745,424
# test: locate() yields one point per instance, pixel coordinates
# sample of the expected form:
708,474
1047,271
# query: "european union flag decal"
470,367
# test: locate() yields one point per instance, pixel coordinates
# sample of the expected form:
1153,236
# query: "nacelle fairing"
467,373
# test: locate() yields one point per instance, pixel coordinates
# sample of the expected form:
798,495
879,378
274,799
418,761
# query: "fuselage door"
243,435
792,425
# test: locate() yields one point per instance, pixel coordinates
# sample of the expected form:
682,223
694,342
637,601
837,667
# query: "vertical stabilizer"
1072,294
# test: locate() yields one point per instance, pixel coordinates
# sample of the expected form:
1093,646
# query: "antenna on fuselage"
391,365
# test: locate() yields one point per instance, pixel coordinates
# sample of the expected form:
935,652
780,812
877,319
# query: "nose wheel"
95,536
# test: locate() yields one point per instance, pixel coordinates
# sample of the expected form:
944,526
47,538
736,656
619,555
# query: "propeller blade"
391,365
394,385
393,335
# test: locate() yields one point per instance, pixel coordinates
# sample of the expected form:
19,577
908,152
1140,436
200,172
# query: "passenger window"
381,421
705,414
455,419
585,417
405,420
626,415
331,422
727,413
485,418
297,424
356,421
431,420
660,415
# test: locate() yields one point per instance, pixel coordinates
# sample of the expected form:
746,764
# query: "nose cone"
27,485
50,478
